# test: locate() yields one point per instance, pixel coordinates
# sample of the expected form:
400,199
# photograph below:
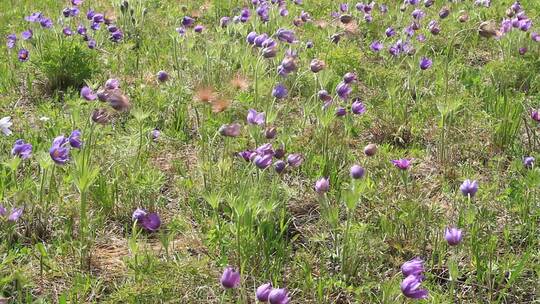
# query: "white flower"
5,123
44,118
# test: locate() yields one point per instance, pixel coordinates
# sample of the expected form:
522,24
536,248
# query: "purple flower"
3,210
412,267
27,34
230,278
322,185
357,172
247,155
349,77
138,214
98,18
280,91
150,221
88,94
11,40
358,107
317,65
90,14
263,161
81,30
279,166
224,21
418,14
59,150
250,38
23,55
91,44
453,236
410,287
260,39
528,162
279,296
187,21
21,149
341,111
15,214
67,31
295,160
343,90
469,188
370,149
75,139
256,118
76,2
522,51
402,164
46,22
112,84
263,292
198,28
162,76
181,31
425,63
444,12
117,36
231,130
324,96
390,32
35,17
155,134
434,27
265,149
5,123
283,12
535,37
270,133
309,44
376,46
535,115
344,7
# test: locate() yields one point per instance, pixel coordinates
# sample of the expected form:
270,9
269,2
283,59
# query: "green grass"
467,117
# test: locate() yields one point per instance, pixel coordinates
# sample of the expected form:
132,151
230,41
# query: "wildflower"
358,107
112,84
224,21
453,236
46,23
263,292
535,115
317,65
247,155
357,172
341,111
187,21
286,35
138,214
294,160
390,32
280,91
75,139
5,124
26,35
270,133
88,94
154,135
255,118
231,130
370,150
322,185
198,29
412,267
34,17
343,90
21,149
425,63
469,188
279,166
444,12
376,46
410,287
23,55
100,116
230,278
67,31
162,76
16,213
402,164
528,162
349,77
150,221
11,40
263,161
279,296
59,150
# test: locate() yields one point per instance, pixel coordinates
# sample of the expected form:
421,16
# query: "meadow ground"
309,151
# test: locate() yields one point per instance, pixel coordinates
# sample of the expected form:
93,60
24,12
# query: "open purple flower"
112,84
295,160
280,91
469,188
402,164
410,287
230,278
322,185
256,118
46,23
75,139
138,214
453,236
263,292
34,17
425,63
343,90
88,94
279,296
11,41
358,107
376,46
21,149
23,55
412,267
59,150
